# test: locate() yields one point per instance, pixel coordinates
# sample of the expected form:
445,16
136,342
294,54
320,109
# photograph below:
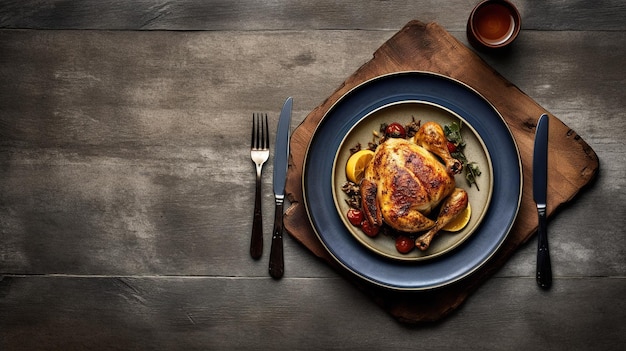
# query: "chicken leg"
450,209
431,137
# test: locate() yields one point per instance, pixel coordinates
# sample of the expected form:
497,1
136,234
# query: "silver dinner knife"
281,158
540,189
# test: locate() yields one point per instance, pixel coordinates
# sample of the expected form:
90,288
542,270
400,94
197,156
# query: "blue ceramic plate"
453,96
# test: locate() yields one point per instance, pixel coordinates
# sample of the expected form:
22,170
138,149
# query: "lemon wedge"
460,221
355,167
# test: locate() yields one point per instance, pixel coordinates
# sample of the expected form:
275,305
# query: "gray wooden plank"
191,313
220,15
127,152
124,82
301,14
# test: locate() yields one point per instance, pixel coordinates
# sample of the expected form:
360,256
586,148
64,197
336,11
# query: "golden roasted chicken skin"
406,180
431,137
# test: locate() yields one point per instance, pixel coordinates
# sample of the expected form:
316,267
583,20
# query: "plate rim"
343,97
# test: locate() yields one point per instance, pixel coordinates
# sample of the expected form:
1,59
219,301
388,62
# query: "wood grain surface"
126,187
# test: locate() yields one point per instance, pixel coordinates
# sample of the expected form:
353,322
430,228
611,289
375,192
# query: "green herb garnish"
456,146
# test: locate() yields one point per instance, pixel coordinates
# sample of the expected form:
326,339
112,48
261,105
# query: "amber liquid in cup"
494,24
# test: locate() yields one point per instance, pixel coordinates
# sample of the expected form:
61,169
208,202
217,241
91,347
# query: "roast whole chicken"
407,179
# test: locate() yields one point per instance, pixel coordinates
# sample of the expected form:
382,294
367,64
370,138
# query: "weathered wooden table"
126,187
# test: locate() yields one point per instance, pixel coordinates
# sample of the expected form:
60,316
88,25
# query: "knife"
281,156
540,188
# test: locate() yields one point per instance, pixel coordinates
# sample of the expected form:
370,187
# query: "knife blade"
540,189
281,159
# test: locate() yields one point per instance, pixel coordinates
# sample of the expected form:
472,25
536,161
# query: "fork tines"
260,132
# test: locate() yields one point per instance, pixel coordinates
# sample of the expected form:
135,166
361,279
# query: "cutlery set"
260,151
260,154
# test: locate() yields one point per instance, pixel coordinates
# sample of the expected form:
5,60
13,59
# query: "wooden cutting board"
428,47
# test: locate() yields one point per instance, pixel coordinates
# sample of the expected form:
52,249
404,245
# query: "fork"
259,152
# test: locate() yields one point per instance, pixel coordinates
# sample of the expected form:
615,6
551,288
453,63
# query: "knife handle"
544,267
277,266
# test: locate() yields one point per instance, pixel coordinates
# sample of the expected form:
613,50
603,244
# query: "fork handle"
277,265
256,240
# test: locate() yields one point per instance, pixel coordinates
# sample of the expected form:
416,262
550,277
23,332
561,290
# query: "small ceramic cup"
493,24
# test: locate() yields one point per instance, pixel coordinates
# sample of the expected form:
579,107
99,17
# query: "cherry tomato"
404,244
355,216
369,229
451,147
395,130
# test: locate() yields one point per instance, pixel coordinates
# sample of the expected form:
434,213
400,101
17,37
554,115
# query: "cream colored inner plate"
475,151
